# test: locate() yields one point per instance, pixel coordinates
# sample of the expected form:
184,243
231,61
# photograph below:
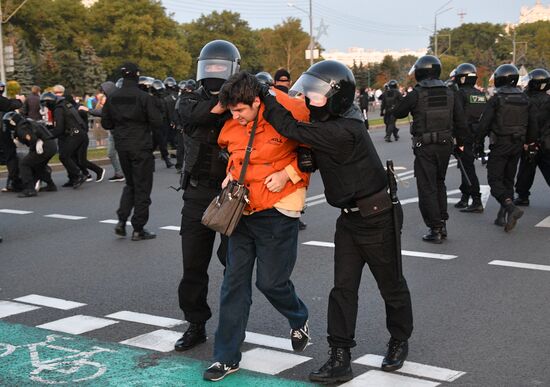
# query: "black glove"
478,150
265,92
306,162
531,153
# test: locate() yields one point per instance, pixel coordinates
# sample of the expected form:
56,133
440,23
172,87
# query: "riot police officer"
186,86
390,99
437,118
131,113
160,134
535,154
473,102
510,119
355,182
204,170
170,99
8,148
42,147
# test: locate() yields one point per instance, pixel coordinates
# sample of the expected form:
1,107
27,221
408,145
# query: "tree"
283,46
48,68
93,73
23,68
141,32
228,26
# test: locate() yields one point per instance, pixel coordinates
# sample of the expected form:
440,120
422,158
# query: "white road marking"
77,324
50,302
144,318
15,212
544,223
67,217
113,221
416,369
386,379
520,265
310,204
311,198
171,228
270,362
9,308
161,340
449,200
403,252
268,341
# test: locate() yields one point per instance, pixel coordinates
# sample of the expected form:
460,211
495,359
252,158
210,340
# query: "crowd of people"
229,120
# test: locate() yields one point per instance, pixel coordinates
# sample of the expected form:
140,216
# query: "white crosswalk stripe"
14,212
544,223
9,308
386,379
66,217
144,318
270,362
161,340
78,324
51,302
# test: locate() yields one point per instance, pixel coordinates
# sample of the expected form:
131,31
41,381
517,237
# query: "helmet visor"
214,68
316,89
412,70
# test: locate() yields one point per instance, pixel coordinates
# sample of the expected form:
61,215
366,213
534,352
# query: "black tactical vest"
202,153
390,100
434,110
474,104
512,112
361,175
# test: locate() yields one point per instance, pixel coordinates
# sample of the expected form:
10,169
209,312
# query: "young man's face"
244,113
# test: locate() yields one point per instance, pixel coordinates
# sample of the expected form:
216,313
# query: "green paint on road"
32,356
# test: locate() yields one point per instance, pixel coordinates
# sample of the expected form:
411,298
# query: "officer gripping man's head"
218,60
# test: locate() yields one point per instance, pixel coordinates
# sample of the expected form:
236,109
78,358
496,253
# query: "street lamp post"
514,45
310,15
438,12
2,21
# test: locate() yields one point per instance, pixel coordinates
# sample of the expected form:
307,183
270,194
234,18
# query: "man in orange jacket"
268,231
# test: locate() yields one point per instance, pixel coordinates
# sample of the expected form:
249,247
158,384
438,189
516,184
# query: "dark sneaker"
68,184
476,207
302,225
337,369
193,336
27,193
79,181
387,139
433,236
120,229
501,217
463,202
116,178
88,177
101,175
143,235
444,230
512,215
50,188
299,338
519,201
218,371
396,355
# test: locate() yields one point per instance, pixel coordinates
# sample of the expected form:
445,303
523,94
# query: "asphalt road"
489,321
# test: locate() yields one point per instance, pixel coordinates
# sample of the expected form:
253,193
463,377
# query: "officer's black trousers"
358,241
430,169
34,166
83,161
10,153
467,158
197,243
159,140
180,150
69,147
501,170
138,171
391,128
527,170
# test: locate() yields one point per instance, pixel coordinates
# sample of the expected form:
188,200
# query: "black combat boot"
433,235
475,207
444,230
396,355
168,162
521,201
27,193
337,369
512,215
463,202
142,235
387,138
120,228
501,217
193,336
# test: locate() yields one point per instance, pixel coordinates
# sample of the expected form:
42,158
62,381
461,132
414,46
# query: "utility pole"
2,68
438,12
311,32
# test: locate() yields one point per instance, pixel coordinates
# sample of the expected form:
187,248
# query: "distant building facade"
365,56
533,14
89,3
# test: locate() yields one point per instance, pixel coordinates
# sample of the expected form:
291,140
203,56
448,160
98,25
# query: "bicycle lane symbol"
73,367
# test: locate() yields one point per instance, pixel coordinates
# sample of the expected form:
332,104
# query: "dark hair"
241,87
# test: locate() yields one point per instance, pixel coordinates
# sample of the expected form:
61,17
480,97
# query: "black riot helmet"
157,87
170,83
217,61
48,99
145,83
539,80
506,75
426,67
190,84
265,78
329,80
466,75
11,120
392,84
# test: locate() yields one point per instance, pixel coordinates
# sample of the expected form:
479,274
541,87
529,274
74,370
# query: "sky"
380,25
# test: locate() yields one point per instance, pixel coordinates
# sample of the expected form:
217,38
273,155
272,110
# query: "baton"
396,209
461,167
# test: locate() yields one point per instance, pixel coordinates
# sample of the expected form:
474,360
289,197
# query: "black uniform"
8,147
351,170
437,118
203,175
71,134
34,166
390,100
473,103
170,100
160,133
131,113
527,165
510,119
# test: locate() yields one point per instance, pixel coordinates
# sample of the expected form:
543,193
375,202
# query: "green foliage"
48,68
13,88
23,67
93,73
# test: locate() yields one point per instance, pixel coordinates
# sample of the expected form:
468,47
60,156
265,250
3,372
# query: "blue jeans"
113,155
272,238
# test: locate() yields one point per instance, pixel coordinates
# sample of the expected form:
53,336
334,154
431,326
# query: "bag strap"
72,110
248,150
